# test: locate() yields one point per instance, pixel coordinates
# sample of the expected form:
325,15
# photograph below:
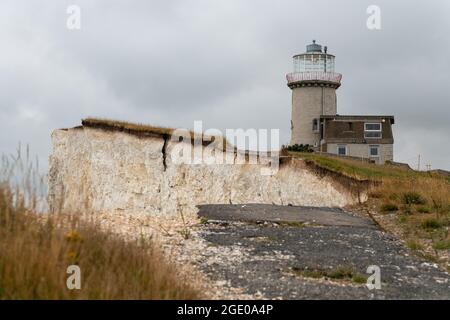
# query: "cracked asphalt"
277,239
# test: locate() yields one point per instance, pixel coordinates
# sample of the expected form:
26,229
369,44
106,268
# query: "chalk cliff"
98,170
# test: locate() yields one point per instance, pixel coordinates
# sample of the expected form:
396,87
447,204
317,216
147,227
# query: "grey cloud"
223,62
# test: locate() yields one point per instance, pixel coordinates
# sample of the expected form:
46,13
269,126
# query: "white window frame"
341,146
374,146
371,130
318,125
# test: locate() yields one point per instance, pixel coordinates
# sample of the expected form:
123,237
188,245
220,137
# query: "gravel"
273,250
252,251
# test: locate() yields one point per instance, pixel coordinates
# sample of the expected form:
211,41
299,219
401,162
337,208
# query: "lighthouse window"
315,125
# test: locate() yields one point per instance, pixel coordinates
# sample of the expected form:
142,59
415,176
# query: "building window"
372,130
374,151
342,150
315,126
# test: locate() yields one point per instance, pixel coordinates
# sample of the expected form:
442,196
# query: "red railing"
311,76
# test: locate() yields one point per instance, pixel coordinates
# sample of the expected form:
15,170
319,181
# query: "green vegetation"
359,169
299,148
431,223
442,245
423,209
343,273
414,245
359,278
389,207
413,198
204,220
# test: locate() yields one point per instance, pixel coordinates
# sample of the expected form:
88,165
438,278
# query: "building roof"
360,117
350,129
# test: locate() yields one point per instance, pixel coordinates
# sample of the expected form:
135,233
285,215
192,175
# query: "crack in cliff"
163,150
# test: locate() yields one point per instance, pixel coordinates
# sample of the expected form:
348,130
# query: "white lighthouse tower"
313,85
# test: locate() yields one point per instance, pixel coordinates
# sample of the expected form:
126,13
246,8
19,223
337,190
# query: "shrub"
441,245
406,210
413,198
359,278
345,273
414,245
393,196
300,148
431,224
389,207
423,209
341,272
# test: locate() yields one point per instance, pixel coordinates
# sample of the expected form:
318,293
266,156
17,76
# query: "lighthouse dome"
314,47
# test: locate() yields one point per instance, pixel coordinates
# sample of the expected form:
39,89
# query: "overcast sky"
224,62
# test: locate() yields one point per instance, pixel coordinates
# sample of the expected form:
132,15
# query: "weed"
204,220
358,278
343,273
413,198
441,245
423,209
431,223
393,197
414,245
389,207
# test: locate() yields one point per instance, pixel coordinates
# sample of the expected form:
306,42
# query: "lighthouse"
313,83
315,121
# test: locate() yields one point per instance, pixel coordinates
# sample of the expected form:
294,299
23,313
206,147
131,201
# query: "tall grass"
37,248
423,209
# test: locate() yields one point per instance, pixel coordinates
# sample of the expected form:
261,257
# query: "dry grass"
424,208
149,130
126,126
36,249
360,170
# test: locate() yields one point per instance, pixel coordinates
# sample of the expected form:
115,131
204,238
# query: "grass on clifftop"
358,169
145,129
36,249
415,203
126,126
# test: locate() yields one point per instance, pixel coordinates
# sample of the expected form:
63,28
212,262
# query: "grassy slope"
414,205
34,256
358,169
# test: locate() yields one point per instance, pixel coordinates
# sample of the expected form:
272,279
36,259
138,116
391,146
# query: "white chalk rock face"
110,171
